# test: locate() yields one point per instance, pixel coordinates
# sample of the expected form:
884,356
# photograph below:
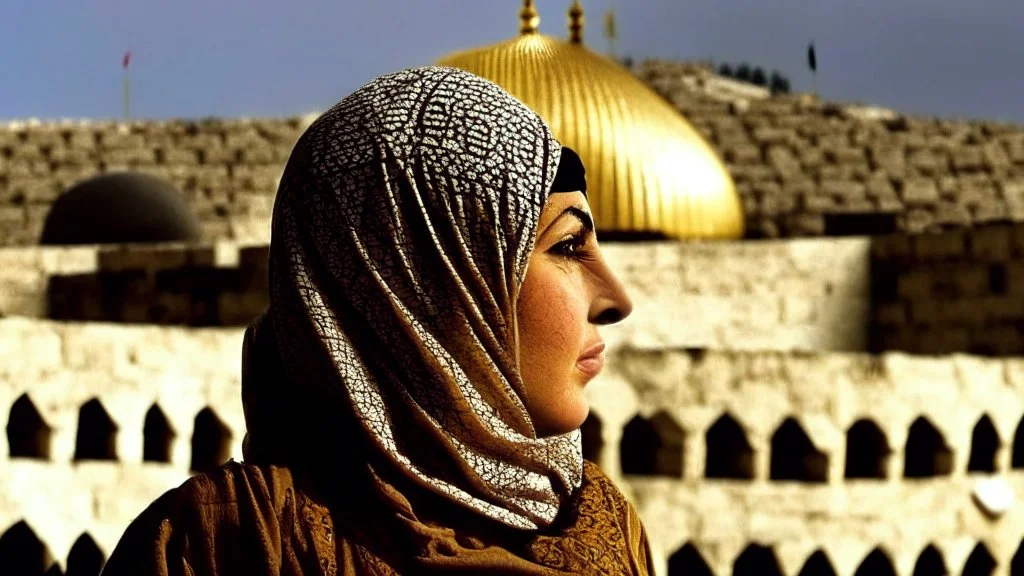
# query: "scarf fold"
401,233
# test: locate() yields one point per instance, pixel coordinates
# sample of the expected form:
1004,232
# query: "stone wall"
803,167
956,291
800,294
95,388
810,168
228,169
798,415
97,385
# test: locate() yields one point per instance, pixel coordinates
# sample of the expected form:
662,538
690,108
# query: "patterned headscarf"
401,235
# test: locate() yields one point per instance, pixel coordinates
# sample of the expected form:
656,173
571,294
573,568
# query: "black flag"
812,59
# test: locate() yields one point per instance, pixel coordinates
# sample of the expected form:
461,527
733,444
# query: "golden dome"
648,170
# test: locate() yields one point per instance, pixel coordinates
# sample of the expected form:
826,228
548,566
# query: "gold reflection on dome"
649,172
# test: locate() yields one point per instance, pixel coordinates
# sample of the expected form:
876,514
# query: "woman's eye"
570,247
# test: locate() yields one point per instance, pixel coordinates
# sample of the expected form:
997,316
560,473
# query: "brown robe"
271,520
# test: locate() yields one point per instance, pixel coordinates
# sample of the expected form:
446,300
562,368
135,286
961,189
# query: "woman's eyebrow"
579,213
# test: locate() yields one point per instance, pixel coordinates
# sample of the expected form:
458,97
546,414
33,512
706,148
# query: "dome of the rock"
649,172
116,208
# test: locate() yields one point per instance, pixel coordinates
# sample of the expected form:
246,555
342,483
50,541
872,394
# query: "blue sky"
195,58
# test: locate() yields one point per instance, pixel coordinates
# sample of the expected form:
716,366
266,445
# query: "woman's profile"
414,392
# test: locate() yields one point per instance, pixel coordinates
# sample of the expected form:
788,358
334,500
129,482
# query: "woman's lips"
592,361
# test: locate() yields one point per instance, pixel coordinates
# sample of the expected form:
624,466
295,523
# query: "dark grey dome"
117,208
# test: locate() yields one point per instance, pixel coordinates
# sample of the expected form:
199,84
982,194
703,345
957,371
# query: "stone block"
990,243
1015,278
845,155
12,216
919,191
891,314
968,159
962,312
926,312
796,310
1017,239
176,156
997,340
990,212
972,280
1001,309
948,213
941,246
141,257
915,285
944,341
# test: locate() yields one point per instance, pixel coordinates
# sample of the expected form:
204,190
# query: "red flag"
127,59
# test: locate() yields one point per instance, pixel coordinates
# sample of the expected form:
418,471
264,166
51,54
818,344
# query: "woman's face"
568,292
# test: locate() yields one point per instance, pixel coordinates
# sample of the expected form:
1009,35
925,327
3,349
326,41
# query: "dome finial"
576,21
529,19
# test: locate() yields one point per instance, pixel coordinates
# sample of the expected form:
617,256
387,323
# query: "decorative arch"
729,453
28,435
85,558
876,563
756,560
985,445
930,563
980,562
157,436
592,437
927,453
867,450
817,564
22,553
688,561
97,434
653,447
211,441
794,457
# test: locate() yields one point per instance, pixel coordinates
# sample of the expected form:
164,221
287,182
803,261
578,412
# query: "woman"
414,392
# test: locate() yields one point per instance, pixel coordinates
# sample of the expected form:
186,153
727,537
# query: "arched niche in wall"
96,438
794,457
22,553
876,563
926,454
980,562
157,436
28,435
817,564
688,561
867,451
985,444
211,441
592,437
652,447
756,560
728,453
930,563
85,558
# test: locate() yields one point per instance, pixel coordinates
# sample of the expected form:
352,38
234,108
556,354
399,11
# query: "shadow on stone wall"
164,286
954,291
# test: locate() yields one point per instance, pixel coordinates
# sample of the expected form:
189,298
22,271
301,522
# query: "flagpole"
127,96
127,87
